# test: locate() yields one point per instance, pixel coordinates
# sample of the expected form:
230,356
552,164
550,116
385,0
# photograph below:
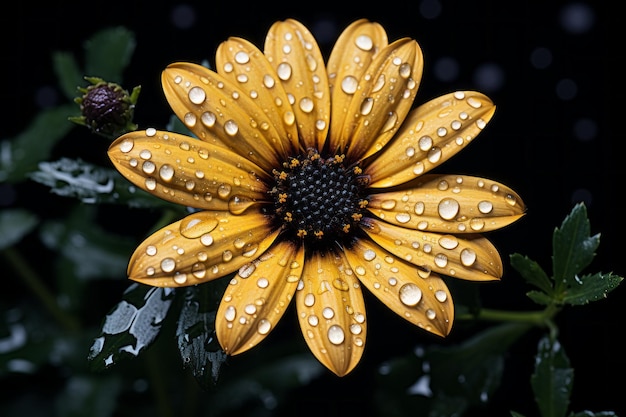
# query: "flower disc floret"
319,199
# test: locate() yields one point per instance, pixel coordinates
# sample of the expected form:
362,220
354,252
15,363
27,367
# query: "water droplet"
328,313
448,208
166,172
264,326
441,260
425,143
242,57
230,313
364,42
231,128
366,106
306,105
410,294
224,190
284,71
309,300
151,131
441,296
197,95
208,118
168,264
349,84
468,257
336,335
485,207
448,242
194,227
127,145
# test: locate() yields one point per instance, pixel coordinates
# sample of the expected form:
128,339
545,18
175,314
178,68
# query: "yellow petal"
419,296
431,134
220,113
187,171
351,56
382,99
332,312
470,257
258,296
246,67
449,204
201,247
299,65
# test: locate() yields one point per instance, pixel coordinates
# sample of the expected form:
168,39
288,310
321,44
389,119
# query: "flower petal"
244,65
471,257
449,204
382,99
432,133
298,62
351,56
221,114
258,296
201,247
187,171
419,296
331,311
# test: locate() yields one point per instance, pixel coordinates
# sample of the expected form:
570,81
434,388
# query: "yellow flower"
311,180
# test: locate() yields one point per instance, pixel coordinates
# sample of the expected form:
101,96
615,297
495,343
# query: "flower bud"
107,109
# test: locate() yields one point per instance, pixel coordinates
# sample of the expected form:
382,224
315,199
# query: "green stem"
537,318
32,280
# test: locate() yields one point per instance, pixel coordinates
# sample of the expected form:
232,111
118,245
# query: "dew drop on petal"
336,335
485,207
364,43
468,257
230,313
197,95
448,208
264,326
410,294
166,172
328,313
127,145
349,84
168,264
441,296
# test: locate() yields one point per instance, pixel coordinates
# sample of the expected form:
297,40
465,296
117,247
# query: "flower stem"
536,318
32,280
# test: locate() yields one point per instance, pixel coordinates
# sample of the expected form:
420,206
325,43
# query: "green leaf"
573,248
68,73
196,332
108,53
20,155
540,297
473,370
14,225
553,379
94,185
531,272
591,287
131,326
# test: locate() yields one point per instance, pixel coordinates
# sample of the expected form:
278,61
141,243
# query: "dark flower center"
319,199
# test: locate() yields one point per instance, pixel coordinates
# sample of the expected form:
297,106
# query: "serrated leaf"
591,287
21,155
540,297
573,248
131,326
108,53
68,73
14,225
553,379
531,272
195,333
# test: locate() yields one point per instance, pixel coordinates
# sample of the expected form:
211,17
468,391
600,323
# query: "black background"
532,144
